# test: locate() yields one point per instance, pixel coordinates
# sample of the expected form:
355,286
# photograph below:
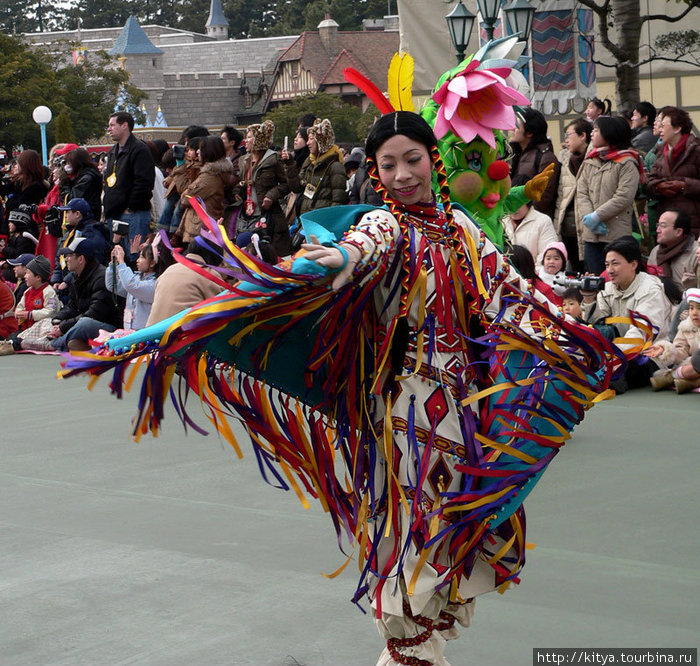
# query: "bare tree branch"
693,4
591,4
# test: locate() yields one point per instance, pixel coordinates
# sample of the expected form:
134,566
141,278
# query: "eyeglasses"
568,134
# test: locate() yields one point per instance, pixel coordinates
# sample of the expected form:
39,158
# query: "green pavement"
174,552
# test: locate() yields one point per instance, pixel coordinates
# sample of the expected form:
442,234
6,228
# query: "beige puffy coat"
687,341
535,232
644,295
608,188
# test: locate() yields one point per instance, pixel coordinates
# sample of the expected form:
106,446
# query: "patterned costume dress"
419,404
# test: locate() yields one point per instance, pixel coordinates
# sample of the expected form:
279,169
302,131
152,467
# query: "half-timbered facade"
315,62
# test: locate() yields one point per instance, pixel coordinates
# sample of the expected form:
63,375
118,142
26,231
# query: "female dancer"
437,389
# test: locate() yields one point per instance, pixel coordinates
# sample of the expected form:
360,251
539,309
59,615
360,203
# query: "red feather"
368,88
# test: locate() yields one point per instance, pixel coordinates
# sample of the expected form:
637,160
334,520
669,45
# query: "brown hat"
322,131
262,134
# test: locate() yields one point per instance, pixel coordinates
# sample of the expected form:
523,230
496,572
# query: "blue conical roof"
216,15
133,40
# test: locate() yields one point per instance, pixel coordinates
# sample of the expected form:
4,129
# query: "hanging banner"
79,56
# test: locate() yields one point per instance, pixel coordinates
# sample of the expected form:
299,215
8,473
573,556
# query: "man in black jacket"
129,176
90,306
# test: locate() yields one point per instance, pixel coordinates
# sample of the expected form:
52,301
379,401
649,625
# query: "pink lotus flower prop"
477,102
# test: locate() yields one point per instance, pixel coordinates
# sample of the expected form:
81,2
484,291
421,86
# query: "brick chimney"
328,31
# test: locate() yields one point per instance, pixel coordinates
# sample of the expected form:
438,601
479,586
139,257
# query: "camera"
179,151
582,282
120,228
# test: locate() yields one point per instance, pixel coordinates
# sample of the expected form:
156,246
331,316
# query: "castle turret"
217,25
142,59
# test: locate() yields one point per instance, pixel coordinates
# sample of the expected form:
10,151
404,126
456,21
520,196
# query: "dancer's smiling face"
405,169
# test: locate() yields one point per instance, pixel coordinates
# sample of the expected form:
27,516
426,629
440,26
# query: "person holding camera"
81,224
630,289
128,177
24,185
90,306
262,188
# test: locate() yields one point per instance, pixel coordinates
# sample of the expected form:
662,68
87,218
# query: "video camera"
119,227
581,282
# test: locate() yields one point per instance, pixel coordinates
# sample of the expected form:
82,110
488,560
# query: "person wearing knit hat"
259,136
41,267
683,353
553,264
262,189
39,302
322,132
322,180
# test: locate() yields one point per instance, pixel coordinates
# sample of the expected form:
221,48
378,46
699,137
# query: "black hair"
682,221
124,117
303,132
192,131
211,257
211,149
646,109
523,261
605,105
405,123
534,123
168,160
573,293
194,143
162,147
80,159
615,131
232,134
267,252
581,126
627,247
307,120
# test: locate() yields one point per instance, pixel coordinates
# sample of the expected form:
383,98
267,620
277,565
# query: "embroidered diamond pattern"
440,469
436,406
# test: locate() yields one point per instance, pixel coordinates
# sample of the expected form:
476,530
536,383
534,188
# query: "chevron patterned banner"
553,64
563,73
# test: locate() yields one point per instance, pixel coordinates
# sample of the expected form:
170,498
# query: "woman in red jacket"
675,176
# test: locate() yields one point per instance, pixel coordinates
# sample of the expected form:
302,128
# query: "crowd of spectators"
82,252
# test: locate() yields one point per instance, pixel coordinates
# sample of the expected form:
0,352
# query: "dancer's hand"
333,258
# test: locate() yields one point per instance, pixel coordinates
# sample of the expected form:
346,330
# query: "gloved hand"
595,224
535,187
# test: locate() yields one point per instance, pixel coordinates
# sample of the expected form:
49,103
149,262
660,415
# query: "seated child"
683,354
553,263
571,304
139,288
38,303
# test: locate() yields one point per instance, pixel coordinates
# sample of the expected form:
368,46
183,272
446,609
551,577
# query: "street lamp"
519,15
42,116
489,13
460,22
